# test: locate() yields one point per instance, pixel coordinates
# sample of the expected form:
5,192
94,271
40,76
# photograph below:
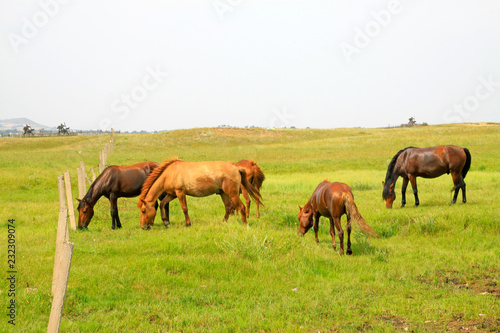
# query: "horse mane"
153,176
390,172
88,196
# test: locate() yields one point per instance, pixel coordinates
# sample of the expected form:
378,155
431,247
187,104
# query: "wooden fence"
64,248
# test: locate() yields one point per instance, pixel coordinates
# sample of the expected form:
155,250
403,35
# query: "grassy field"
435,268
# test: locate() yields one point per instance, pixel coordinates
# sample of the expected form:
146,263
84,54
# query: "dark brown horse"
332,200
113,183
432,162
255,176
179,178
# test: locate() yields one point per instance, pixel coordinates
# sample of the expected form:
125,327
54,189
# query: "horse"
113,183
332,200
178,178
255,176
431,162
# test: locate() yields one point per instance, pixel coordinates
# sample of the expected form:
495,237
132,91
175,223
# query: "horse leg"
459,183
403,192
244,192
349,228
332,232
464,198
115,219
341,234
236,201
316,227
413,181
227,204
165,209
182,200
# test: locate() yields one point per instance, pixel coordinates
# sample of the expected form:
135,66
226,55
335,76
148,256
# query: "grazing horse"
113,183
255,176
431,162
332,200
178,178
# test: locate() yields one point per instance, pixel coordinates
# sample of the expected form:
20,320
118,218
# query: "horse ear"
383,183
300,208
78,199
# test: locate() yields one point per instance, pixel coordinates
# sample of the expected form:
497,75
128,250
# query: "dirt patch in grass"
396,322
479,325
481,282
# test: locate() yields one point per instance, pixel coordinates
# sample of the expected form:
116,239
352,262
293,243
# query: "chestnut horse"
113,183
432,162
255,176
178,178
332,200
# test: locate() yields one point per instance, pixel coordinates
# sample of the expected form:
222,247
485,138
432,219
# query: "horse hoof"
167,225
403,206
349,252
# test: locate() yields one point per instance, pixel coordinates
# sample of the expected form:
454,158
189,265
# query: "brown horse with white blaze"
432,162
113,183
332,200
178,178
255,176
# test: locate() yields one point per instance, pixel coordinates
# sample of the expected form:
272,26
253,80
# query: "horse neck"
94,193
156,188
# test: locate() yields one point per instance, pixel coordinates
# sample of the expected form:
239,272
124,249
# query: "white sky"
249,62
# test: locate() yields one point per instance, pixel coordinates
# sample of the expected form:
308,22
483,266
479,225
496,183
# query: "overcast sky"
163,65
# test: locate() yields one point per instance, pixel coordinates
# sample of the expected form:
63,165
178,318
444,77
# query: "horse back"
327,199
127,181
200,178
432,162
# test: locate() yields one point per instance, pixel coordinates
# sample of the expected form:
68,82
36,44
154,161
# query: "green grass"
434,268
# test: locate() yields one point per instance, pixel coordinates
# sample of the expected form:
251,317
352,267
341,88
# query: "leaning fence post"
69,200
60,284
101,162
93,174
81,184
62,262
62,228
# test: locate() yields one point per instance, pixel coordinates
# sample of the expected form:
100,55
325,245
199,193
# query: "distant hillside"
18,124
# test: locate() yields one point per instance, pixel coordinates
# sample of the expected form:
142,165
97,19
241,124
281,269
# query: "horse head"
305,219
85,213
388,194
148,213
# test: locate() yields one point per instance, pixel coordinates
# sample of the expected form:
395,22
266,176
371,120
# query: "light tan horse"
255,176
178,178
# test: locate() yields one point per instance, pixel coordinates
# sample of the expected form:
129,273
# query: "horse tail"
252,190
258,176
467,162
353,213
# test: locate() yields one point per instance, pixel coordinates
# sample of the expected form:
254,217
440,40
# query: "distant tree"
62,129
412,121
27,130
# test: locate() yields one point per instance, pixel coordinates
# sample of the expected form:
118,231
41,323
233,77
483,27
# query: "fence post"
69,199
60,284
81,184
101,163
62,228
93,174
